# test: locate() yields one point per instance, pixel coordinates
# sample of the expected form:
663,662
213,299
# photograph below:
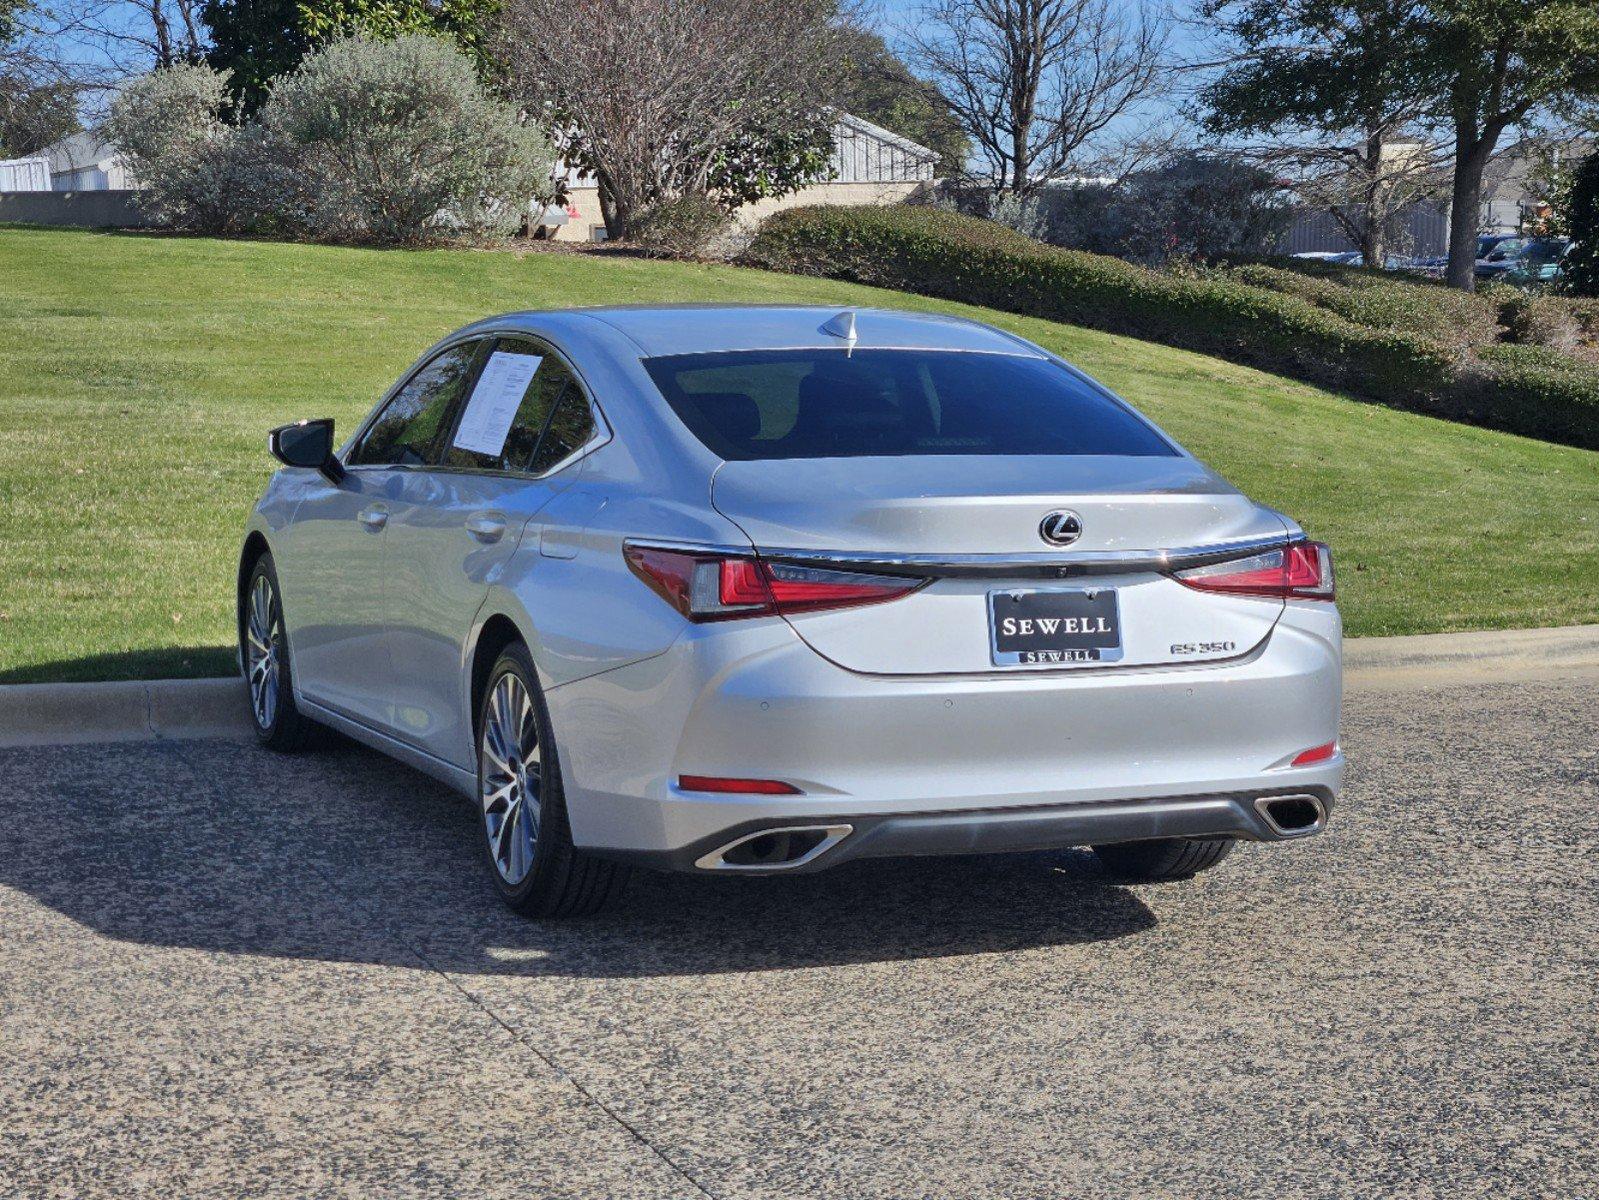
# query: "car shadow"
156,662
344,855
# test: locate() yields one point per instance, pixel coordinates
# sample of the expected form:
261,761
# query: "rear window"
828,404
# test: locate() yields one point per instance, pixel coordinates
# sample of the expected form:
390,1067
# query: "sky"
892,18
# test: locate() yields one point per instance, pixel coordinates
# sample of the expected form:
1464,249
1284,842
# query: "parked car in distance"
1434,266
1523,260
767,589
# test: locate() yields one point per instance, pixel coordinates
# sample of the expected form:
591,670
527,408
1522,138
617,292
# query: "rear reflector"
753,787
1298,571
707,586
1315,754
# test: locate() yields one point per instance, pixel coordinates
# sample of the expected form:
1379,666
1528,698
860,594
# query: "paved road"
224,973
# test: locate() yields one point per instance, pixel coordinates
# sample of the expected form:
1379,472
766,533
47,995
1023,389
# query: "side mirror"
307,444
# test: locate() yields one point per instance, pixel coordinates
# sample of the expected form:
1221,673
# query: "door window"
408,430
527,374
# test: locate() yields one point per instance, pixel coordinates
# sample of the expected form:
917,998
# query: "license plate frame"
1055,647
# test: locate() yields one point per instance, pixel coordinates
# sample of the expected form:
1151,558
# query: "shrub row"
1382,301
944,254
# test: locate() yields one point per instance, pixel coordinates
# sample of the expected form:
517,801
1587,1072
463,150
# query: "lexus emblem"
1061,528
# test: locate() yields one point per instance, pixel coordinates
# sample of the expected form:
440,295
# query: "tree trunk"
1373,240
615,219
1471,160
1021,159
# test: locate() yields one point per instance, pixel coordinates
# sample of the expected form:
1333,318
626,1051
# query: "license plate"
1048,628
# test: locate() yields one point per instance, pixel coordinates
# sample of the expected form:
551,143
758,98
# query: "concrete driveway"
226,973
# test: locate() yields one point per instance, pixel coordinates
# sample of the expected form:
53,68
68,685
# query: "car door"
332,561
453,528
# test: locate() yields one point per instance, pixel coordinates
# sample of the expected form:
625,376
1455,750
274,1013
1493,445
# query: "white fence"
25,175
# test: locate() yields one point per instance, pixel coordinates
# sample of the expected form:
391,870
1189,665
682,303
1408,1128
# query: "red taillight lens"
718,587
1316,754
1299,571
744,787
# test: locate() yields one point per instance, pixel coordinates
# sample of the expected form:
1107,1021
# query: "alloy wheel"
509,775
263,647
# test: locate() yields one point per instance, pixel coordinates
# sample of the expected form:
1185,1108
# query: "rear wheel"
278,722
1163,859
526,836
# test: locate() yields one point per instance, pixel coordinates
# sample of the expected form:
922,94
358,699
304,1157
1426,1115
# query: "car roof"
710,328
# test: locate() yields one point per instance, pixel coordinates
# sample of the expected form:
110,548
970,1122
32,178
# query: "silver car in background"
756,590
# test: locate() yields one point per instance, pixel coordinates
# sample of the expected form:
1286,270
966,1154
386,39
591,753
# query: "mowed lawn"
138,377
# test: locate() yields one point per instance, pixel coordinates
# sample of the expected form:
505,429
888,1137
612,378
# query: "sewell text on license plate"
1054,627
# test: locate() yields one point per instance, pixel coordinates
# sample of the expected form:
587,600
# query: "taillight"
706,586
1298,571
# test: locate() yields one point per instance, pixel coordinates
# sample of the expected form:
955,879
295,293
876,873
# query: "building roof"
79,151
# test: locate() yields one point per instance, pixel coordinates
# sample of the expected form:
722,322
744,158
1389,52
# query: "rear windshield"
826,404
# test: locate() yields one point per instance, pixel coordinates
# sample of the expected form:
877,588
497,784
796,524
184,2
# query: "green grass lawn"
138,377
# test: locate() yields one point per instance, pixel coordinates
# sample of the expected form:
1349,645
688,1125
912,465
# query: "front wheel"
278,722
1163,859
526,836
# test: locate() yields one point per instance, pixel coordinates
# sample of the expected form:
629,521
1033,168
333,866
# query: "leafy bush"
944,254
682,228
1582,223
1540,392
396,133
194,172
1538,320
1382,301
367,141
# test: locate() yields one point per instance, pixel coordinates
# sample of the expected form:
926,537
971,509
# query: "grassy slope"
138,376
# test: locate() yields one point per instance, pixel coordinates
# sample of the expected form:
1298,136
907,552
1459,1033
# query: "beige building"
871,165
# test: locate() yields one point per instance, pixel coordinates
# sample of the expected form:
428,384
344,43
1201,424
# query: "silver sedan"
756,590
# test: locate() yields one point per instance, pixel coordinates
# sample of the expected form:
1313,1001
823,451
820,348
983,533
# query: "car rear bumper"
942,765
780,844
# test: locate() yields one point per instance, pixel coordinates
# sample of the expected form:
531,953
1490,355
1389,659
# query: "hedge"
937,253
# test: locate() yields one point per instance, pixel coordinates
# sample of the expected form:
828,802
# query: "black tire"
281,725
1164,859
562,880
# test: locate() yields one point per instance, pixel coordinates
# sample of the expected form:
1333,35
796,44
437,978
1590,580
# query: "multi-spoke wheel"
526,835
263,644
510,778
264,652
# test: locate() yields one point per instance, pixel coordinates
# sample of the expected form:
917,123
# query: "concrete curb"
57,714
1441,659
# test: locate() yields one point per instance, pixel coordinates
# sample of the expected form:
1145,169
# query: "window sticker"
494,402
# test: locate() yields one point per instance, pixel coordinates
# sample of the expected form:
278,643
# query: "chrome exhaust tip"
1292,816
781,849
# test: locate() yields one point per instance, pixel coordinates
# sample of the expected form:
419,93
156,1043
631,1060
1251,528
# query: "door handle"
485,527
373,518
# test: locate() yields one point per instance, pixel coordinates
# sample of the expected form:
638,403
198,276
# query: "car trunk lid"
972,527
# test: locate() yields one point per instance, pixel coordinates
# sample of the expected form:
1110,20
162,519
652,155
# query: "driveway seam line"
561,1072
576,1083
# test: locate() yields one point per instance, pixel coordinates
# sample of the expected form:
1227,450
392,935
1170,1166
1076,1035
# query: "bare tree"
125,37
654,96
1035,81
1367,186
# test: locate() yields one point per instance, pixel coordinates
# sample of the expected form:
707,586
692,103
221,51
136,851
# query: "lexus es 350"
729,589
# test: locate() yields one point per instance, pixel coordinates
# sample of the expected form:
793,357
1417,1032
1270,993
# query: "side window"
524,393
569,430
501,422
407,430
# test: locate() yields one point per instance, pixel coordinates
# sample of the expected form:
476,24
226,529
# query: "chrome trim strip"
1263,809
1045,565
834,834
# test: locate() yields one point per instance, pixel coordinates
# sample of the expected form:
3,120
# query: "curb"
1426,659
60,714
